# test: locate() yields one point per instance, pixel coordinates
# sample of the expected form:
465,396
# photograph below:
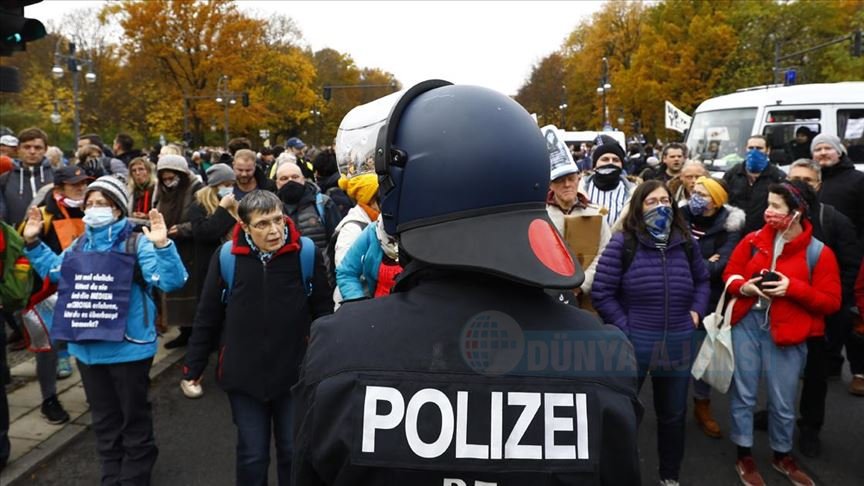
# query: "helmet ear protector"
390,160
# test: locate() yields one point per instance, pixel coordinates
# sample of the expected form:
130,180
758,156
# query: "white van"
720,127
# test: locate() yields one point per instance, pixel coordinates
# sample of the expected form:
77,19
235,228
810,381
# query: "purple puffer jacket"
652,301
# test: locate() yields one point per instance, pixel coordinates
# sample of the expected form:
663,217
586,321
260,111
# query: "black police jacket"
464,379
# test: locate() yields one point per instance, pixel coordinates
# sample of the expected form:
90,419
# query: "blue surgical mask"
697,204
658,222
224,191
98,217
756,161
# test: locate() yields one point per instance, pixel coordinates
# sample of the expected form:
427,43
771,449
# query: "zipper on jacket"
665,298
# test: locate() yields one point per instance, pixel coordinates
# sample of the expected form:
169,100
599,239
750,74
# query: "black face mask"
291,192
606,177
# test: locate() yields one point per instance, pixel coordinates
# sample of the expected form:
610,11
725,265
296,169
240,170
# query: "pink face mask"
779,222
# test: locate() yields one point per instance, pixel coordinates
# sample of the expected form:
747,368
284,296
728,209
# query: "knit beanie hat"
718,194
832,140
219,173
113,189
606,145
361,188
172,162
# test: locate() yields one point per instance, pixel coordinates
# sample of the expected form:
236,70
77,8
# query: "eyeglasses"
265,224
653,201
803,179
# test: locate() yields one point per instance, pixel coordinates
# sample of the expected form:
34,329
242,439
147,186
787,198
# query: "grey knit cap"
113,189
832,140
219,173
172,162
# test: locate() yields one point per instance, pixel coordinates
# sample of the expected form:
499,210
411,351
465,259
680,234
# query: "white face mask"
73,203
172,183
99,217
224,191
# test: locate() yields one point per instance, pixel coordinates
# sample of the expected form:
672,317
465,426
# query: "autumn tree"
539,94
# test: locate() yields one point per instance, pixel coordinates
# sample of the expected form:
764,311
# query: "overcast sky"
488,43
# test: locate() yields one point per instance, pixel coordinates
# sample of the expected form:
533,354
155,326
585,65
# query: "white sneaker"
668,482
191,389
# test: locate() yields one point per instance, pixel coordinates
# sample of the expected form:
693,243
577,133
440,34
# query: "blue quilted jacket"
652,300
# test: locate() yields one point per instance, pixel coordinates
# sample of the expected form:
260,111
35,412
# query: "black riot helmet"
463,178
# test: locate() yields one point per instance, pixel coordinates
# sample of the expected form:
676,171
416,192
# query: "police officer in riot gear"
468,374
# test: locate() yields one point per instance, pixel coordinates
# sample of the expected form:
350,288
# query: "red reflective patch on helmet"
549,248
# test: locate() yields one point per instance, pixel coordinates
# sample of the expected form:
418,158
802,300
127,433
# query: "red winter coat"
800,313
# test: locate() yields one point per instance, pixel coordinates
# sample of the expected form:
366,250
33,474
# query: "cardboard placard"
582,234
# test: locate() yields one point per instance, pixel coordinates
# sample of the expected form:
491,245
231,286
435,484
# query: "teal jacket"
160,267
360,266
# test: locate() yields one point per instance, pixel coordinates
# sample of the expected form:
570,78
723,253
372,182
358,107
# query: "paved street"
196,443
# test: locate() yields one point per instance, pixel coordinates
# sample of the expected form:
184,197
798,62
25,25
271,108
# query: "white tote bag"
715,362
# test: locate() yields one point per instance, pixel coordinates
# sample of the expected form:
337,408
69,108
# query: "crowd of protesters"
229,239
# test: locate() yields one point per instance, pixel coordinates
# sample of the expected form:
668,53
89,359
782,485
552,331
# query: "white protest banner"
676,119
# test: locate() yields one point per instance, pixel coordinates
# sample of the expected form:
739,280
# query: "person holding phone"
791,282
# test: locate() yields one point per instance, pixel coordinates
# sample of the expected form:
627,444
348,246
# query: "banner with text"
676,119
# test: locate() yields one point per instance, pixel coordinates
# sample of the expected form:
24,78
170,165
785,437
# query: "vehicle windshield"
719,138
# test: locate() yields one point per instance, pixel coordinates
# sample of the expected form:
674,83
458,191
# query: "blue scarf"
658,222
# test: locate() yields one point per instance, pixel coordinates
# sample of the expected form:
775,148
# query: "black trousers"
122,420
815,384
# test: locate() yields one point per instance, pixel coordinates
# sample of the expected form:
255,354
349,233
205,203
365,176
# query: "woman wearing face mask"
717,228
115,348
652,283
795,283
175,194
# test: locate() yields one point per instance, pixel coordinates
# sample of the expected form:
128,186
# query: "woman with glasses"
652,283
105,311
260,321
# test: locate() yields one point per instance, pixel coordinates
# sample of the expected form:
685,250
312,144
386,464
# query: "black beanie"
605,145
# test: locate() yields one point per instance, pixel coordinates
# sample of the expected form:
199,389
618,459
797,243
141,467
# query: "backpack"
630,245
228,263
342,201
15,270
331,245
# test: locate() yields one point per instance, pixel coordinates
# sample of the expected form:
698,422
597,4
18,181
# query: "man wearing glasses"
261,321
748,182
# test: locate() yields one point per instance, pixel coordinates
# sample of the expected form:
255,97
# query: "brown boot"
702,412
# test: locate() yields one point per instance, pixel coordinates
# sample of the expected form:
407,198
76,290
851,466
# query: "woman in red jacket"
791,282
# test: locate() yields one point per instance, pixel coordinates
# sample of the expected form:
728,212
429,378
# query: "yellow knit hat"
719,196
361,188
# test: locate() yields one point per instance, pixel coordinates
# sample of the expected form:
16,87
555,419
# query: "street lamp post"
562,107
602,88
73,64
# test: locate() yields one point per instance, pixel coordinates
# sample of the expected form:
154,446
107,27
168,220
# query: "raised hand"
33,227
157,233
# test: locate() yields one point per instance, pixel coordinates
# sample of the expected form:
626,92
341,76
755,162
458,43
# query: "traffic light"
15,29
327,93
245,98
